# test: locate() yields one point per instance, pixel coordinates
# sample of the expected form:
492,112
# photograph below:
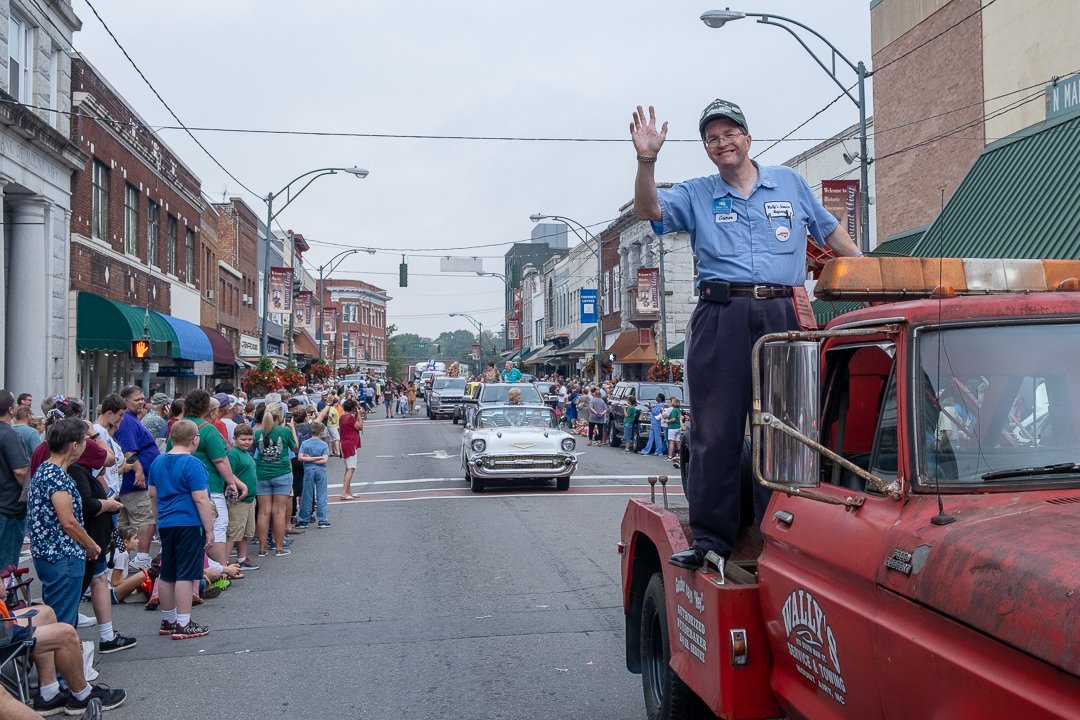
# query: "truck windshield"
997,405
443,383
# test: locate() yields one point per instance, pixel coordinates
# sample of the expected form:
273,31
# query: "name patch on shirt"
779,208
727,217
721,205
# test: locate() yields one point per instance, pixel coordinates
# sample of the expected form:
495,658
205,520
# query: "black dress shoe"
692,559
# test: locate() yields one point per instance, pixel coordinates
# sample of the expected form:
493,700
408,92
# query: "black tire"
476,483
612,440
455,418
666,696
684,463
639,442
562,484
465,467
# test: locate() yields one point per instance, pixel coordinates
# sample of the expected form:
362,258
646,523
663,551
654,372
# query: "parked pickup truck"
918,556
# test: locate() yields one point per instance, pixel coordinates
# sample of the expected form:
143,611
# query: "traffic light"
403,273
297,286
438,349
140,349
611,357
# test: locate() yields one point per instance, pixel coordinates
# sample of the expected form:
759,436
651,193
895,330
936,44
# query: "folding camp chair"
16,585
16,645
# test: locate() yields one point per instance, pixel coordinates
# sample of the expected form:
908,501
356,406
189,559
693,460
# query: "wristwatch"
95,436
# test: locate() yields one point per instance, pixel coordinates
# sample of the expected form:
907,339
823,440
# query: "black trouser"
719,342
297,483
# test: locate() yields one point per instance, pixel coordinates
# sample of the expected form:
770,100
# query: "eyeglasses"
715,141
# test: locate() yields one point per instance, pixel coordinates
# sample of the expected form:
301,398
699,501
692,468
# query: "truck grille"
518,462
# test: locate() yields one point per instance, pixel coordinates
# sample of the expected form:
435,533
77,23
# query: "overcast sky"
557,69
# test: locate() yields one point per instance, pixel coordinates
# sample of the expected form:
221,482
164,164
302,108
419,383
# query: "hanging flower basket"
663,370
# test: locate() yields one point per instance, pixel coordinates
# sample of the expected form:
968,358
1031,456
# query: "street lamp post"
506,325
537,217
270,215
479,336
718,18
339,258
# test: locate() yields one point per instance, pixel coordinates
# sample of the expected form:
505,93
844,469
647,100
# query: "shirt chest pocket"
782,227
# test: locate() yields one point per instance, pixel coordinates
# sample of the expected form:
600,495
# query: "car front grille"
519,462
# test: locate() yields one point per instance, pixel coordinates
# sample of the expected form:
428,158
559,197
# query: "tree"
395,357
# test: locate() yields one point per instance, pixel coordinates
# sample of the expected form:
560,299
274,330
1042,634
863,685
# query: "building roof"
1017,200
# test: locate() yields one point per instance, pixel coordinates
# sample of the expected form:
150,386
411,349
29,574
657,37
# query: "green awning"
1018,200
675,352
900,244
103,324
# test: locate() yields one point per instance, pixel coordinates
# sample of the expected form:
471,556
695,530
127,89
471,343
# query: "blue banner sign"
588,307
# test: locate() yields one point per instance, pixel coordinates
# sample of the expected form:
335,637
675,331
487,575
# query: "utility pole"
146,358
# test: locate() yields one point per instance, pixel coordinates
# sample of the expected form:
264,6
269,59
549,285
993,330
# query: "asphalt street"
423,600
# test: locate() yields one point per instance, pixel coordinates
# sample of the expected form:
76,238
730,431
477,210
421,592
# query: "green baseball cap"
721,109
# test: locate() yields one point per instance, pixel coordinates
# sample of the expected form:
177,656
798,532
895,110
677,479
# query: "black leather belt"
722,292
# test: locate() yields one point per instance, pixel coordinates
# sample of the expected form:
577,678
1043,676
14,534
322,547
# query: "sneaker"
189,631
210,592
221,583
89,673
261,553
297,526
246,564
119,642
283,553
168,627
87,620
324,525
108,697
47,708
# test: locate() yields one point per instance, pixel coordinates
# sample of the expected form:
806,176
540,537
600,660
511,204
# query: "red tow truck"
919,556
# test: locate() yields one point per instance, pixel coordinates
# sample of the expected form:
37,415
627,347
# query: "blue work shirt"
747,241
512,375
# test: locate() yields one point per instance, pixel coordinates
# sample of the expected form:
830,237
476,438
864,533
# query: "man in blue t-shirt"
141,449
748,226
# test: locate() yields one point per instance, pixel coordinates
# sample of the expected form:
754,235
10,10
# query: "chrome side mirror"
791,394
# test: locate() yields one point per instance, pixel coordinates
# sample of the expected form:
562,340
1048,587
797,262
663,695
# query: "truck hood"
1012,572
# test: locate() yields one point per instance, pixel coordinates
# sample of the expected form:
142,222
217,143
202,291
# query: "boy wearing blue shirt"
179,494
314,452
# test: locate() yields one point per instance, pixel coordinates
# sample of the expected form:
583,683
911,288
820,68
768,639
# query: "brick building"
358,337
238,276
136,254
949,77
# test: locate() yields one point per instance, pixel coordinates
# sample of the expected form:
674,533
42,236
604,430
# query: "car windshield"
997,405
504,417
442,383
501,393
647,392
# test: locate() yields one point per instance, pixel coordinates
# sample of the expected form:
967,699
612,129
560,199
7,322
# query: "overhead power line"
165,104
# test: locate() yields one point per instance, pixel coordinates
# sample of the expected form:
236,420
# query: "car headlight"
479,445
568,444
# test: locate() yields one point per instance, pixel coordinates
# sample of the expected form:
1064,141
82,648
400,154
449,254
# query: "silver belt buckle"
756,296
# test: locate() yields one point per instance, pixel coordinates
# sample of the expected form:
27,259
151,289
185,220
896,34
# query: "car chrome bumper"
520,470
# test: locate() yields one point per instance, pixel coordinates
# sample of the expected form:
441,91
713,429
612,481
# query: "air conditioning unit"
209,294
245,299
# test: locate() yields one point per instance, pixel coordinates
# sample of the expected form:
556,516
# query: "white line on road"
424,481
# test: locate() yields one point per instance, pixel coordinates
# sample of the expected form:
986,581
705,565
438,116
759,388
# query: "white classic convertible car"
516,442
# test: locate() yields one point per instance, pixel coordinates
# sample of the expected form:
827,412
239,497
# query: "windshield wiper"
1057,469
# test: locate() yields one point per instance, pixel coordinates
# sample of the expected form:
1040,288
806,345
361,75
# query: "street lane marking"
464,493
422,481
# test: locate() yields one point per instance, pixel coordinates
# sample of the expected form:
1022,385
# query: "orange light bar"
871,279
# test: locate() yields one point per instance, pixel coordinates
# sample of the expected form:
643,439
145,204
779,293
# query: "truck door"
819,569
